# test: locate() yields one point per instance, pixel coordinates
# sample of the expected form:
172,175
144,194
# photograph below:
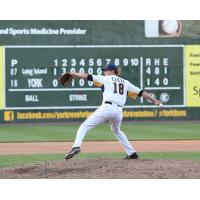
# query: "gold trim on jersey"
97,84
132,95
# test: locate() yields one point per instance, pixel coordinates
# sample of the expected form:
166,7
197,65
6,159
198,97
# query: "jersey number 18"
119,88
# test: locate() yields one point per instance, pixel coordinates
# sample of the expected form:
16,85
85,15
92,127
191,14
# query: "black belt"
108,102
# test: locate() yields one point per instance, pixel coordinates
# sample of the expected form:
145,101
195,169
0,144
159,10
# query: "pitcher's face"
109,72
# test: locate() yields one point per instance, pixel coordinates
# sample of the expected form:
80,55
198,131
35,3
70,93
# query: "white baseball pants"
106,112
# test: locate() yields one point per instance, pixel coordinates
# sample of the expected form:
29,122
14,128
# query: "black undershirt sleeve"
102,88
140,93
89,77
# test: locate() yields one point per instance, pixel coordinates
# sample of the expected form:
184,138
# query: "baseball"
170,26
160,105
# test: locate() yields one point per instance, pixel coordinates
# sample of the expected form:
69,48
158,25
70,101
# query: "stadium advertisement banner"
193,75
74,115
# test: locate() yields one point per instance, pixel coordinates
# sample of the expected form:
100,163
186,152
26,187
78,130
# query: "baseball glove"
65,79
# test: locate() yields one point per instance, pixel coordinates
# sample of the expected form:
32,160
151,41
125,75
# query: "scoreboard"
32,72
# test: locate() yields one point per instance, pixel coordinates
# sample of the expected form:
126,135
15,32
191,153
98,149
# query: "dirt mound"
106,169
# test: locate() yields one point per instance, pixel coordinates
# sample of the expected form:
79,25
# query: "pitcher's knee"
116,131
85,127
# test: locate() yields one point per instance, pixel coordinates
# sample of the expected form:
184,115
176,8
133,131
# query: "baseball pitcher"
115,91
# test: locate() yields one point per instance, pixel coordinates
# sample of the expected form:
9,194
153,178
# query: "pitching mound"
106,169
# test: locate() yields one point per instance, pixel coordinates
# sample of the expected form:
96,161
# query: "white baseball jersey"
116,89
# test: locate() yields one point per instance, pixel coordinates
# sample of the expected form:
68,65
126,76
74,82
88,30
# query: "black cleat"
132,156
73,152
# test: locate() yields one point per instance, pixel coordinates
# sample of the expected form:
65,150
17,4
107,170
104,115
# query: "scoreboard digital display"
32,72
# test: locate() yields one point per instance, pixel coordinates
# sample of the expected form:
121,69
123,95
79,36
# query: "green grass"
135,131
17,160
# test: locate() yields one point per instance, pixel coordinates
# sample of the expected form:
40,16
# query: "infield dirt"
106,169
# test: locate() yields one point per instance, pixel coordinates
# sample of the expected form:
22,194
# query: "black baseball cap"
109,67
